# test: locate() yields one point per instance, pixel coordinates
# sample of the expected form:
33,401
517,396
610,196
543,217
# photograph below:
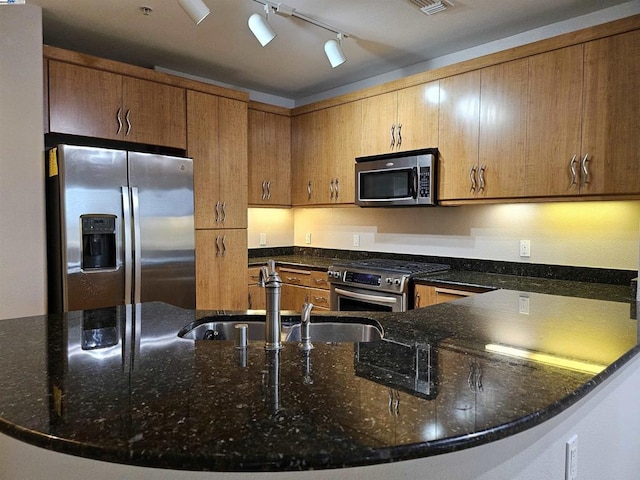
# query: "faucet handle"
305,327
272,266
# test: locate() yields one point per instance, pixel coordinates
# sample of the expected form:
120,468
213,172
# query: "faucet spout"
305,327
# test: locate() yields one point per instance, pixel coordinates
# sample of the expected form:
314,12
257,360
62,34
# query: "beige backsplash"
589,234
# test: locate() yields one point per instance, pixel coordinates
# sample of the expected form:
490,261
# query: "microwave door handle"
414,183
362,296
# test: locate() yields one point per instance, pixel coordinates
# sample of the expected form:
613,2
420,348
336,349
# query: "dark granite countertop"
147,397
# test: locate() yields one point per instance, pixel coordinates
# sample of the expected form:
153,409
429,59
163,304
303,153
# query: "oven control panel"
388,282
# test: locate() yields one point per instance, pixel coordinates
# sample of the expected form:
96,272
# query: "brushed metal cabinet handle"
337,189
393,136
472,177
268,189
481,177
399,135
224,212
119,121
217,213
585,171
217,245
572,169
224,245
264,190
416,300
309,189
126,117
331,188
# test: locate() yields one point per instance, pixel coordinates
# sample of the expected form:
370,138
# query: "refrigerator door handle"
128,261
137,246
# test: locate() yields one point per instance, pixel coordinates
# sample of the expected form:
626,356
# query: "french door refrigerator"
120,228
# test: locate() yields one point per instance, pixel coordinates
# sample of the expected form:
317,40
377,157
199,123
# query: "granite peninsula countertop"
147,397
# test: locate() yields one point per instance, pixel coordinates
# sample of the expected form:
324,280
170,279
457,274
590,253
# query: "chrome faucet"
305,327
270,280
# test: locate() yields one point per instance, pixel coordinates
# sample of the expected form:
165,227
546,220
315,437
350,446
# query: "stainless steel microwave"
397,179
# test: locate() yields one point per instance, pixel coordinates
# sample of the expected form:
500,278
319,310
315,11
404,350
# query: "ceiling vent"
429,7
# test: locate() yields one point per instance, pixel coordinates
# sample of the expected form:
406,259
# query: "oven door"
350,299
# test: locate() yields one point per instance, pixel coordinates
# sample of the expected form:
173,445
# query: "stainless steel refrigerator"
120,228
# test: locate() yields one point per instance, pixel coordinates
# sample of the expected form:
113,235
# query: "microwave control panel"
424,179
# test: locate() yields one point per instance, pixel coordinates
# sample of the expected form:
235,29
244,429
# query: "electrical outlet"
307,238
525,248
263,239
356,240
571,464
523,304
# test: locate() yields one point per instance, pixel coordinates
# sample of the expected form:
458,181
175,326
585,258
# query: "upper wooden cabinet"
325,144
610,153
405,119
503,132
554,123
217,138
269,158
459,130
95,103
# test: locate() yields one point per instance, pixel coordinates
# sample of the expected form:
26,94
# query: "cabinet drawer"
319,279
319,297
295,276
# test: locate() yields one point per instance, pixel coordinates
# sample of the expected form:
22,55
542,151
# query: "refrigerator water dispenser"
98,242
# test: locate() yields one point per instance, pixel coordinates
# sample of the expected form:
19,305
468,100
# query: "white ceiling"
385,35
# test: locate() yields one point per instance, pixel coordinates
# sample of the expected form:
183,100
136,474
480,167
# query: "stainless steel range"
375,284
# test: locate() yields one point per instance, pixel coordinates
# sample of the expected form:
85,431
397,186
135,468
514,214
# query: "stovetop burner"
390,265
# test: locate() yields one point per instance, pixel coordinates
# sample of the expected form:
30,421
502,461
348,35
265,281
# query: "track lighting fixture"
333,49
196,9
260,27
264,33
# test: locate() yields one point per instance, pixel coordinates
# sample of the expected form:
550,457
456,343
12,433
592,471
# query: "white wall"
22,217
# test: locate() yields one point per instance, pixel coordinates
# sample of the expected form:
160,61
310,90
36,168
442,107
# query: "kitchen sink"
323,329
337,332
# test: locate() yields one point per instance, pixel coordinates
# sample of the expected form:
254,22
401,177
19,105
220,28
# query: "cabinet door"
155,112
85,101
217,137
218,254
269,158
202,134
379,114
418,115
232,158
503,130
610,137
309,169
343,143
293,297
554,122
459,124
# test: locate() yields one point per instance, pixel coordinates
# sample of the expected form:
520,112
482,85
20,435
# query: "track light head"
196,9
260,27
333,50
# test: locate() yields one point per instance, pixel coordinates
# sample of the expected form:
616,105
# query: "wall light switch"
307,238
525,248
263,239
356,240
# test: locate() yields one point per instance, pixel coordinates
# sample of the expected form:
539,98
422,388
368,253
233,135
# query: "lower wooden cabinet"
218,255
300,286
426,295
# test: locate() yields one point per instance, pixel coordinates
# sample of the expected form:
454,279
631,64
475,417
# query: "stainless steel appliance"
120,228
397,179
377,284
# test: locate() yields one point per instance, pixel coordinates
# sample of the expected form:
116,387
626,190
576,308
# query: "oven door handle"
362,296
